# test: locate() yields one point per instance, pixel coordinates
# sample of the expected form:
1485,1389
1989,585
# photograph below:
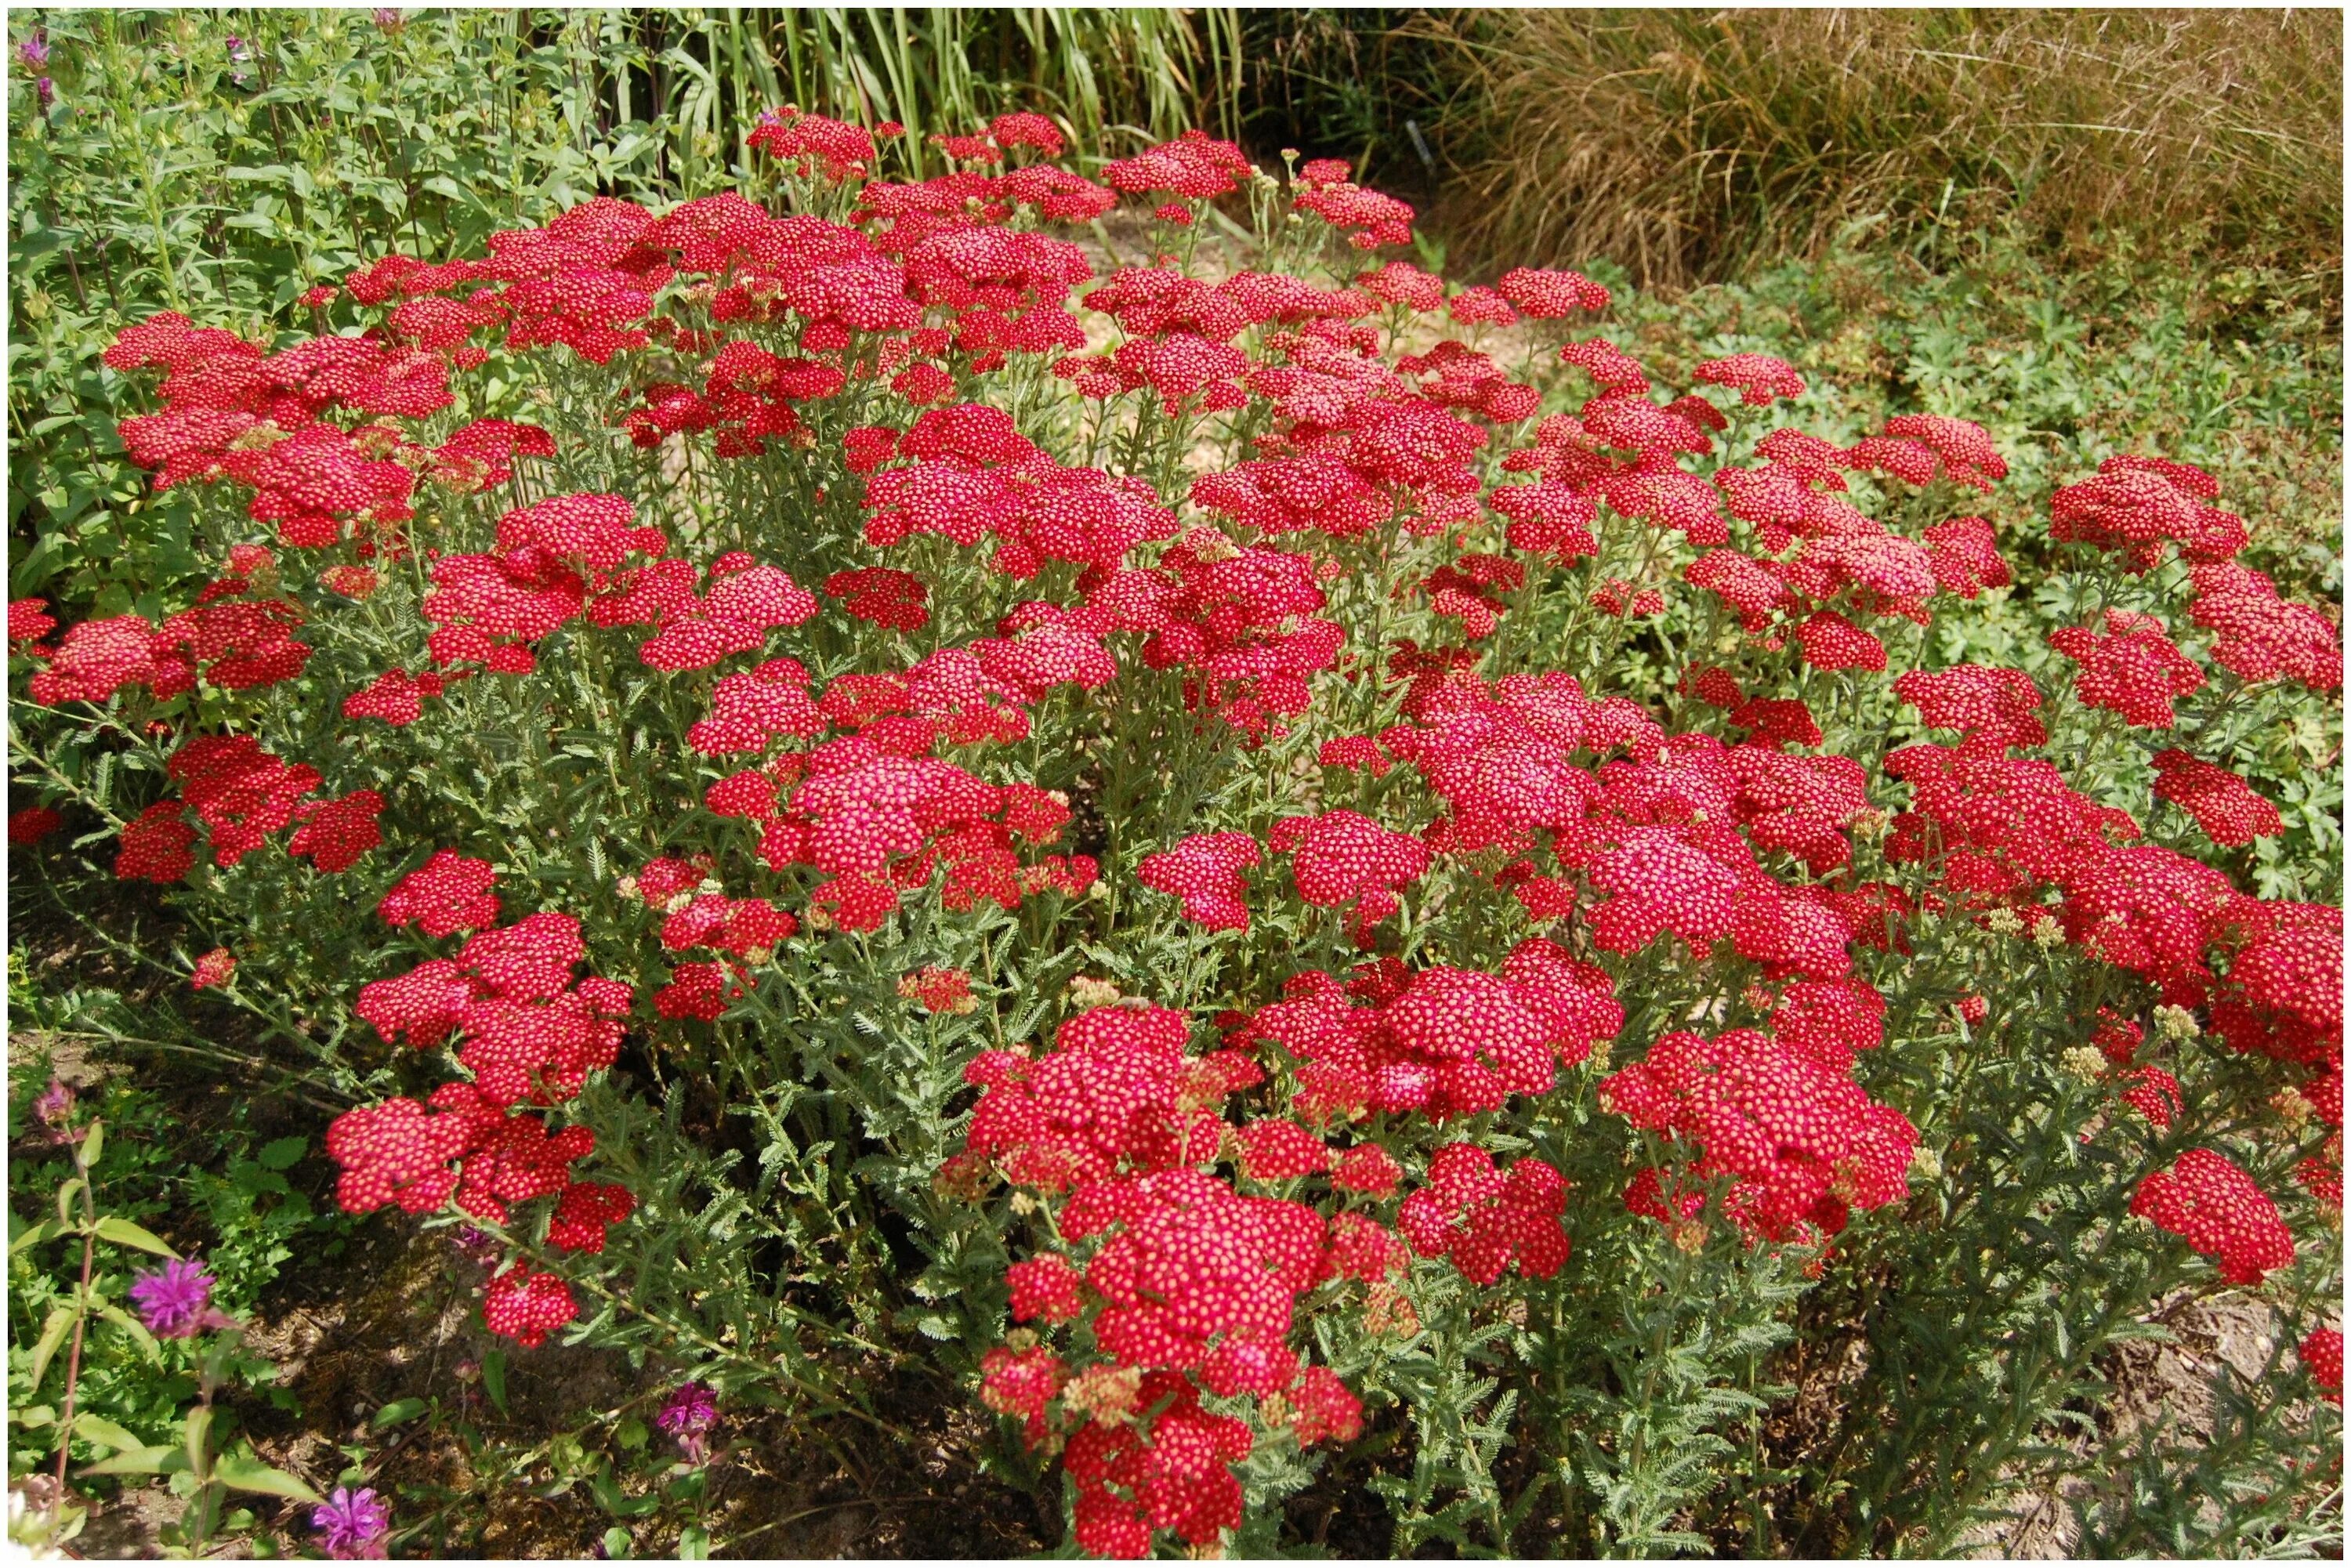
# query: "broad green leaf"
197,1439
284,1152
243,1472
612,1500
398,1410
149,1460
32,1235
494,1378
54,1330
123,1233
98,1429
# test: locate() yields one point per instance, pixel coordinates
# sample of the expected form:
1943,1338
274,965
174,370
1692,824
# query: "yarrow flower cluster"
1188,1286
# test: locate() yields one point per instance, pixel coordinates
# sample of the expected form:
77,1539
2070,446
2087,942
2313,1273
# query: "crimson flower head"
2131,668
939,990
1830,642
525,1304
446,895
1757,377
1987,705
1546,295
1204,872
2228,809
1486,1221
2206,1199
1025,129
1194,165
2322,1353
811,141
33,824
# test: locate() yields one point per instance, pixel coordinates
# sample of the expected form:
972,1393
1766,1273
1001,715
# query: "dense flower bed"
1307,839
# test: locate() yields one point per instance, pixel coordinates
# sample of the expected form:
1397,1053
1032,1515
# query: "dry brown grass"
1680,143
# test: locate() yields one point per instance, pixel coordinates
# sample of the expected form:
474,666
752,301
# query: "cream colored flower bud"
2047,932
2292,1107
1926,1163
2085,1062
2004,921
2175,1023
1090,992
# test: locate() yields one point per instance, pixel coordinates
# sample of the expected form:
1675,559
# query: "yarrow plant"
1308,880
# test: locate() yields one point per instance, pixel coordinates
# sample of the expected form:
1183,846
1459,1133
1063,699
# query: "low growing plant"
1288,876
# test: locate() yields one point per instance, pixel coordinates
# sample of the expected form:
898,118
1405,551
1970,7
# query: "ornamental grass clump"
1304,883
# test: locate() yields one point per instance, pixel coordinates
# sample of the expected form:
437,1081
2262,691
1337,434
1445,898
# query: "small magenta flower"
35,51
476,1246
353,1525
175,1300
390,18
688,1417
55,1104
45,91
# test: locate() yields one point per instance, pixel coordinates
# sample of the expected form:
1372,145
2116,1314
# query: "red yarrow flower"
2224,806
1486,1221
2321,1353
446,895
2206,1199
2132,669
524,1305
1204,872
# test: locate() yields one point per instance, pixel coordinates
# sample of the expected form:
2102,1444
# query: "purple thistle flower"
476,1246
691,1409
55,1103
175,1298
353,1525
389,19
689,1414
34,50
46,93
